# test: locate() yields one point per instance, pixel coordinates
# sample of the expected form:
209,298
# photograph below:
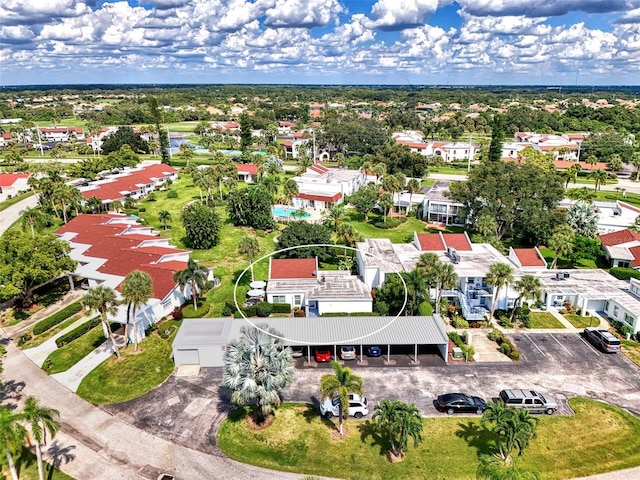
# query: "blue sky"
416,42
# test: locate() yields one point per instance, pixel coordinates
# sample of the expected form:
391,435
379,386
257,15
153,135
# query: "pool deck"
315,216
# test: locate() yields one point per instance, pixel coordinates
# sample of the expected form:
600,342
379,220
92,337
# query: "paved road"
11,215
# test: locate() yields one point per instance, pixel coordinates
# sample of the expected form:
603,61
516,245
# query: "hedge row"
77,332
58,317
624,273
189,312
506,347
281,308
456,339
353,314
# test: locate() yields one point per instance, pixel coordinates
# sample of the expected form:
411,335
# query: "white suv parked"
358,406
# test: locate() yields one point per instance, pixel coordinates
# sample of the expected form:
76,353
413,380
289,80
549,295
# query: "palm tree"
340,384
393,184
398,421
500,275
413,186
137,289
255,367
530,287
185,152
290,190
493,467
34,219
41,420
12,434
103,300
194,276
379,170
561,242
334,215
250,247
600,178
347,235
583,194
386,202
514,428
591,160
164,217
445,278
416,289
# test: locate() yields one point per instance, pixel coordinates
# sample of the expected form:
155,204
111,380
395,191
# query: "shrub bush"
281,308
264,309
172,194
506,347
298,312
624,273
390,223
456,339
77,332
58,317
250,311
352,314
459,322
189,312
177,313
505,322
226,311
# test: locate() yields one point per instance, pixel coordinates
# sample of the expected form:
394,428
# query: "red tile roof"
431,242
247,168
618,238
417,145
320,197
292,268
635,251
8,179
129,182
318,168
529,257
459,241
120,250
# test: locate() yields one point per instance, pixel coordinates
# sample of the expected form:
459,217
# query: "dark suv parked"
606,341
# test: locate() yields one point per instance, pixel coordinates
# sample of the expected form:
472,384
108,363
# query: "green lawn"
43,337
67,356
28,467
12,201
598,438
549,254
632,350
579,321
543,320
449,170
134,375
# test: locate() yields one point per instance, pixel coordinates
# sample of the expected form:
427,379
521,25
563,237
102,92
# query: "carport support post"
415,354
360,353
388,353
335,353
309,353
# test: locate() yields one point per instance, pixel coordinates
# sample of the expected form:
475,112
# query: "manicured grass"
543,320
134,375
449,170
12,201
66,357
28,467
581,322
548,255
400,234
632,350
43,337
602,438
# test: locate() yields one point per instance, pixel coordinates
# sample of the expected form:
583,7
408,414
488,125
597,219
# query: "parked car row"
527,399
348,352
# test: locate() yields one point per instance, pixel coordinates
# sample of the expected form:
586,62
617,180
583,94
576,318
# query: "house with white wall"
437,207
319,187
12,184
622,248
110,246
247,172
299,282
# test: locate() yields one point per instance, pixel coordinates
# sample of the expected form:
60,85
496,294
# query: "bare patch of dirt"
393,458
335,433
253,425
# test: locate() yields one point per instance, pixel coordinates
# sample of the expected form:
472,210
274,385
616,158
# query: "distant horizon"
321,42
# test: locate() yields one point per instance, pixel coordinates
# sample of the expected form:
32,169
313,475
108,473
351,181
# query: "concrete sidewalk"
73,377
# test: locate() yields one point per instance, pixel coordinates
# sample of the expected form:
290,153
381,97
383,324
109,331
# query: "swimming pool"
287,212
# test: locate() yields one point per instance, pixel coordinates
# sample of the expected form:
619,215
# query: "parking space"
401,356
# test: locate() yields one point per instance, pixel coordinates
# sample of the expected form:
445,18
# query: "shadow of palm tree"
11,391
60,455
478,436
368,429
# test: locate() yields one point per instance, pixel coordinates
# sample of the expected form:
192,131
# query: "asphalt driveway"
187,411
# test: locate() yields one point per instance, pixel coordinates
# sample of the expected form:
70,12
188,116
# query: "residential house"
448,151
319,187
110,246
622,248
12,184
135,183
5,139
437,207
247,172
60,134
612,216
300,283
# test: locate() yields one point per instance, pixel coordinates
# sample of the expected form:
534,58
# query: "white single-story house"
12,184
622,248
320,186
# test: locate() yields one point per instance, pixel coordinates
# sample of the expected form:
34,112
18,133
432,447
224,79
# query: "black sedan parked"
459,403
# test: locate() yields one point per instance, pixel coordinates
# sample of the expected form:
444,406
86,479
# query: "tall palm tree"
393,184
137,289
290,190
255,367
194,276
413,186
103,299
340,384
32,218
164,217
561,242
445,278
379,169
530,287
500,275
514,428
334,215
600,178
386,202
12,434
41,420
398,421
250,247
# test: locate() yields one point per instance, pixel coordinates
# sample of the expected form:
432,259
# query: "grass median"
66,357
543,320
598,438
134,375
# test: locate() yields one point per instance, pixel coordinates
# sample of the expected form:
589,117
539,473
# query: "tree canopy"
28,260
124,136
251,207
304,233
521,198
202,224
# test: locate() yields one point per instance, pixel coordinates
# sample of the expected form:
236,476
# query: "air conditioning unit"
566,275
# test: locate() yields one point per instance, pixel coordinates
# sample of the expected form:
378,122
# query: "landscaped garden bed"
67,356
299,440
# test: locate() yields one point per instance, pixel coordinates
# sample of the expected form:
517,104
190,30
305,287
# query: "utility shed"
202,341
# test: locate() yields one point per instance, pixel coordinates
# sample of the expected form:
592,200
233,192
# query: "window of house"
628,318
615,311
606,306
279,299
297,300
